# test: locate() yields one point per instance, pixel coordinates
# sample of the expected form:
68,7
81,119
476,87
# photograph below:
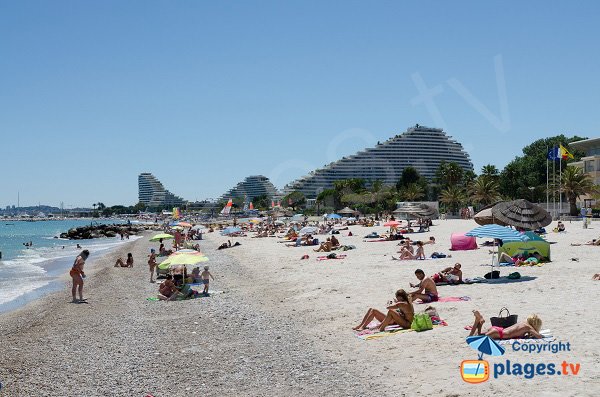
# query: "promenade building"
590,163
251,187
153,194
420,147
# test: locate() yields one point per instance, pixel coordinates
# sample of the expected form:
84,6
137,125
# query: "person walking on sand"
78,275
152,263
205,279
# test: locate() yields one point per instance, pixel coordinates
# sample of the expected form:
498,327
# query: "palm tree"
489,170
450,174
484,190
574,183
453,197
412,192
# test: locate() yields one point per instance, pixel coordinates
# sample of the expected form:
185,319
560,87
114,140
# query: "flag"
554,153
564,153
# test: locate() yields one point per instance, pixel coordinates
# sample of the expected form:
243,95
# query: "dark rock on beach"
99,231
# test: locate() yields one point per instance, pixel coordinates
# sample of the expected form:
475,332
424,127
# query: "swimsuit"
205,281
500,331
432,297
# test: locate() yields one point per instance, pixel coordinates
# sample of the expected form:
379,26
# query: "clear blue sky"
202,94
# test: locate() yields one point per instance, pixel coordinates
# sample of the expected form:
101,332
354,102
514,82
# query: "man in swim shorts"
427,290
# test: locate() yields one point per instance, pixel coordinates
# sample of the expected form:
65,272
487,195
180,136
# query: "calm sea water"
27,273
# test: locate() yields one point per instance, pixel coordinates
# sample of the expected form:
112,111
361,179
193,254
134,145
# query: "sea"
27,273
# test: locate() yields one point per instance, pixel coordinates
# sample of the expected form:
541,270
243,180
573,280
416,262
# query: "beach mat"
467,281
547,338
369,334
447,299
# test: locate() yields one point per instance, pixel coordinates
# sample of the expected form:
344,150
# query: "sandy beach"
283,326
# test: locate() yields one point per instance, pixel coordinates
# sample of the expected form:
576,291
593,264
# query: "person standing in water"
78,275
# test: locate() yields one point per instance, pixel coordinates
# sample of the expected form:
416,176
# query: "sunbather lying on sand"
596,276
528,329
450,275
400,312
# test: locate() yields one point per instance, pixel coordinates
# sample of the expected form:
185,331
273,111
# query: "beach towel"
372,332
547,338
325,258
447,299
475,280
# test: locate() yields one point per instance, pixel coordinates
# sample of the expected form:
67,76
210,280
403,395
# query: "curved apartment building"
252,186
420,147
152,193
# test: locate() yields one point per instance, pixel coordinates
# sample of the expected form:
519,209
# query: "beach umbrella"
351,219
278,222
521,214
486,217
494,231
415,210
231,230
485,345
199,228
334,216
255,220
163,236
184,224
182,260
347,211
497,232
177,227
392,224
308,230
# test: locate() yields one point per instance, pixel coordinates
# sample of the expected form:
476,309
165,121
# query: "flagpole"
547,179
559,184
554,185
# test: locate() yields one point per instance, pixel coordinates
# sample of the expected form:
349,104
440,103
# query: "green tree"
449,174
294,199
490,171
574,183
529,170
411,192
484,190
261,202
453,197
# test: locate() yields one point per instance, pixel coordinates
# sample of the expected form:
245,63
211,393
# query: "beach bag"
493,274
421,322
514,276
504,321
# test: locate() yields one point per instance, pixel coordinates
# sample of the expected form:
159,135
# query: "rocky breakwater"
98,231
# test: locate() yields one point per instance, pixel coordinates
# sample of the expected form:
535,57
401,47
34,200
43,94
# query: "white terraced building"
251,187
420,147
152,193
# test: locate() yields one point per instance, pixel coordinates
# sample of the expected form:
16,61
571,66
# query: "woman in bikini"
77,275
400,312
528,329
152,263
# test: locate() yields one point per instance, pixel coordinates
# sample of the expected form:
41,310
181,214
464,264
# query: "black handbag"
504,321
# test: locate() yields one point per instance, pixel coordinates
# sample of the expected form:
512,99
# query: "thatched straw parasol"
485,216
521,214
416,210
346,211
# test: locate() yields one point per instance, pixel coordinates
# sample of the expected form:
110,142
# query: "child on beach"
205,279
152,263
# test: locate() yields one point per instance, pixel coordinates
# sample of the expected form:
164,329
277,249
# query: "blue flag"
554,153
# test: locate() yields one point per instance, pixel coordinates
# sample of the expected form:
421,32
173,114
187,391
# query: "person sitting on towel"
528,329
335,243
325,246
450,275
426,291
400,312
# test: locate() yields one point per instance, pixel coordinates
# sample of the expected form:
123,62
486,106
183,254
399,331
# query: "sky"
203,93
